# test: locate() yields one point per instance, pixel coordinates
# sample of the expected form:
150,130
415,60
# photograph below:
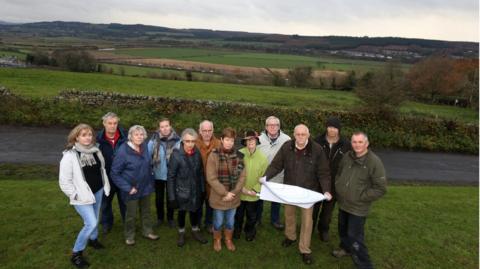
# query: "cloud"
431,19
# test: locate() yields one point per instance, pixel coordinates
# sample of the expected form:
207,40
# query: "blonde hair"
75,132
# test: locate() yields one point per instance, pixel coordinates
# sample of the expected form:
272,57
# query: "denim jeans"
351,232
226,217
89,214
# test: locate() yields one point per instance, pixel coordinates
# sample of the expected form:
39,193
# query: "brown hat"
249,135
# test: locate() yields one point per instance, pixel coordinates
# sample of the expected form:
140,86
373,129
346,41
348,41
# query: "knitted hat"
249,135
334,122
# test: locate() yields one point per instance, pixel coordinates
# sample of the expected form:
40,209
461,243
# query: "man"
306,166
206,143
360,181
271,140
109,140
335,147
160,147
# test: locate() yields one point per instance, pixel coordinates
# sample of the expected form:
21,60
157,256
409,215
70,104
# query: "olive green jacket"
359,182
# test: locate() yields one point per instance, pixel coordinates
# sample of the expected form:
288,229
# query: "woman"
84,180
226,177
186,185
255,164
132,173
160,148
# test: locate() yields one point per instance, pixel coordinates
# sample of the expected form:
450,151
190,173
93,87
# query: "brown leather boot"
228,240
217,240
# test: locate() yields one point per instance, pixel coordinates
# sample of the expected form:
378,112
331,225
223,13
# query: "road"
44,146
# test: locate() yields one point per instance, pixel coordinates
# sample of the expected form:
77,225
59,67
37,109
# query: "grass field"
47,83
147,71
411,227
255,59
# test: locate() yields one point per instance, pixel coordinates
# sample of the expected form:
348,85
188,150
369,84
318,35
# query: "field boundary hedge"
398,131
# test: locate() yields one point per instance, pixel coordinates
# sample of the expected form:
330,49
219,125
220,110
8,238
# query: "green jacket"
359,182
255,165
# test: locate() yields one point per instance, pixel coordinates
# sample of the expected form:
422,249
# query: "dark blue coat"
132,169
186,180
106,148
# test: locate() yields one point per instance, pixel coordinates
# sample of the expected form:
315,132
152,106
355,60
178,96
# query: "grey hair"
135,128
189,131
110,115
272,118
361,133
203,122
301,125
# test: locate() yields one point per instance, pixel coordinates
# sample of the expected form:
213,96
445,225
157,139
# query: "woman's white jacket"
72,180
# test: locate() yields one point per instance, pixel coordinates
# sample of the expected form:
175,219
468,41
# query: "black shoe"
95,244
307,258
197,235
159,223
171,223
287,242
78,260
106,229
249,238
278,225
181,239
339,253
324,236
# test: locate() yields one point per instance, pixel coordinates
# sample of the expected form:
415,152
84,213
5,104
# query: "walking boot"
228,239
181,239
197,235
217,240
78,260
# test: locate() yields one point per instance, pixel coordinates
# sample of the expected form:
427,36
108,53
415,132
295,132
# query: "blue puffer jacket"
132,169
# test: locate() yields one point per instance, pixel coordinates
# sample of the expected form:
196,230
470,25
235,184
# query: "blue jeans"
89,214
223,216
352,238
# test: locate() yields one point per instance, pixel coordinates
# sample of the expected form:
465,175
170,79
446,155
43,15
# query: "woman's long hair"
75,132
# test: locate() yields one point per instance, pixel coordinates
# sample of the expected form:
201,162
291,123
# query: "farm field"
269,60
47,83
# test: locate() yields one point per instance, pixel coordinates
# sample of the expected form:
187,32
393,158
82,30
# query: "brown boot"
228,240
217,240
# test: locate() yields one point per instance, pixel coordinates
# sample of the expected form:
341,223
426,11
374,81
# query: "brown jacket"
218,190
205,152
310,170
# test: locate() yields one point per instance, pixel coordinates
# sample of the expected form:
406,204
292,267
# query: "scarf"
168,142
230,166
86,154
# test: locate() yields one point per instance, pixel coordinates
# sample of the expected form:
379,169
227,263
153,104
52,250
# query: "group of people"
197,171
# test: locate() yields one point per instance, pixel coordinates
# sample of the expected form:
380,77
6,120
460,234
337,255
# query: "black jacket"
186,180
309,171
334,154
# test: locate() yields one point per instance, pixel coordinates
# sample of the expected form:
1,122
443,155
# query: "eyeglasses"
206,131
273,125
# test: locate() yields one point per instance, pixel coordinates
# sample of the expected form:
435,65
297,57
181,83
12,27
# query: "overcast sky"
456,20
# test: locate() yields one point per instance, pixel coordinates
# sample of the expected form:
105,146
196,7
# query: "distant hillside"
366,47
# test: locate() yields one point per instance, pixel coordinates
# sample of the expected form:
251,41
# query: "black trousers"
161,200
249,209
107,210
325,209
193,215
208,219
351,232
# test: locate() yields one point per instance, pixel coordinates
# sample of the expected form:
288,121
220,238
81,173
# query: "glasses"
206,131
273,125
189,141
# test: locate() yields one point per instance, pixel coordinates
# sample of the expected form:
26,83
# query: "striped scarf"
230,166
